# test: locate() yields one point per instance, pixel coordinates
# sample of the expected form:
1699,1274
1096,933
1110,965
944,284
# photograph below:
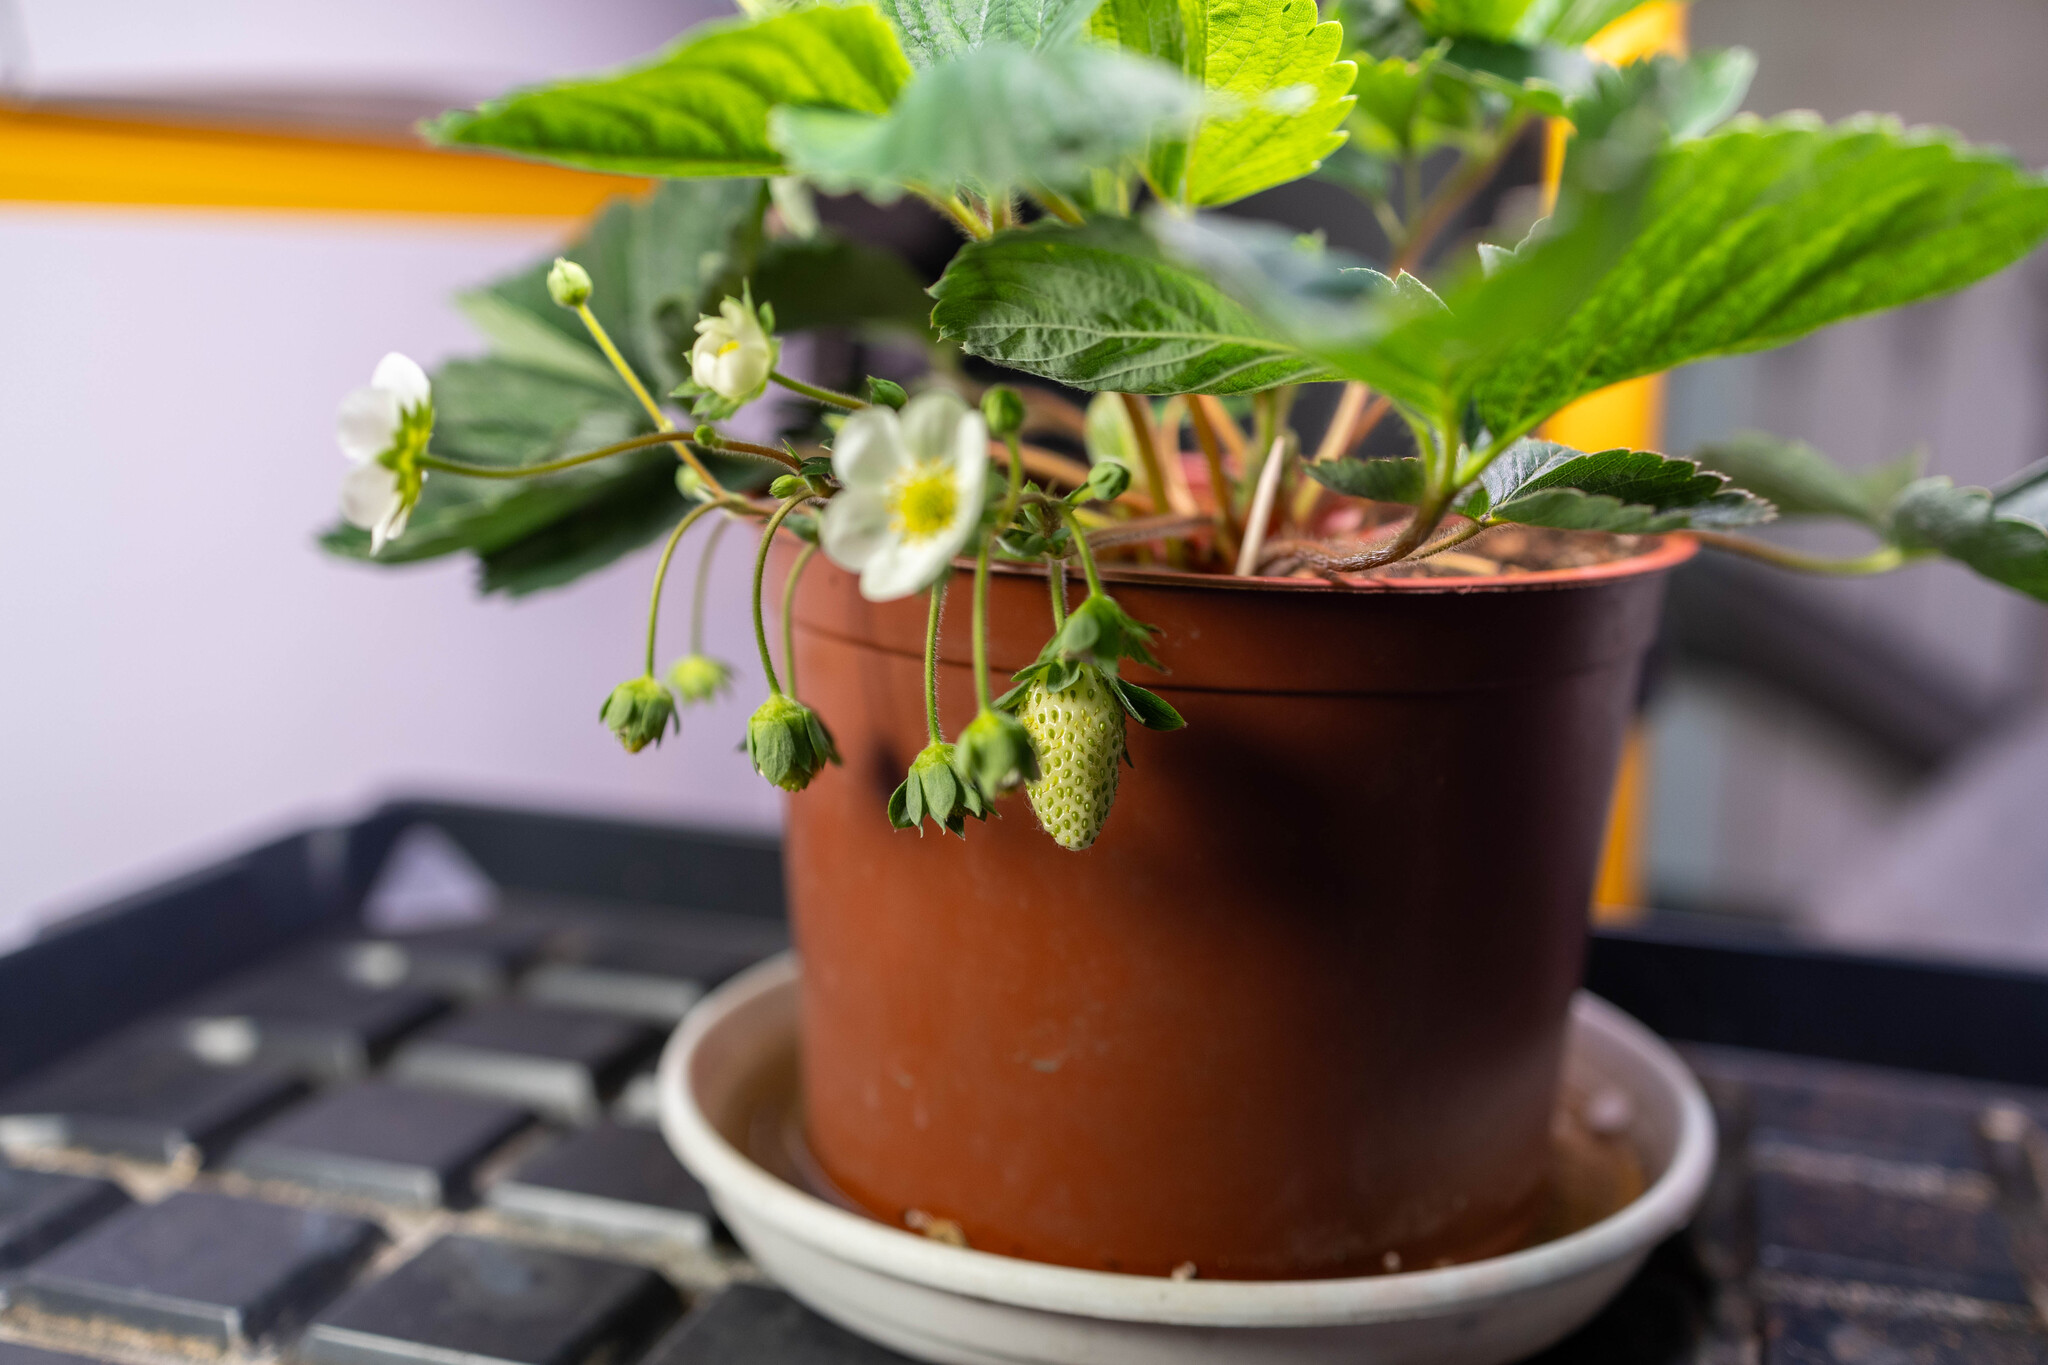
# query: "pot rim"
1666,551
1660,1210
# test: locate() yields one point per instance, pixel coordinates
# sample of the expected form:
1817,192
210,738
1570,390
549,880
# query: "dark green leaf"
1802,482
1388,480
934,30
620,516
1756,235
1098,307
1540,483
701,107
2003,535
996,119
1149,709
655,264
833,282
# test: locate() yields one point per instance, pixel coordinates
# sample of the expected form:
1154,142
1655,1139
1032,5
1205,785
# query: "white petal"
869,450
390,526
929,423
368,494
367,424
704,365
398,376
853,527
902,567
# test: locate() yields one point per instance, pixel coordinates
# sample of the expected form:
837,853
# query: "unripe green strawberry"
1079,734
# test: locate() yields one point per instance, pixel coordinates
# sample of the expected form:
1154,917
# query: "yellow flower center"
728,348
922,502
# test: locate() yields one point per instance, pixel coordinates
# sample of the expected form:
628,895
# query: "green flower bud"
1108,481
699,678
639,711
933,789
789,486
691,484
788,744
1002,407
568,283
886,393
994,754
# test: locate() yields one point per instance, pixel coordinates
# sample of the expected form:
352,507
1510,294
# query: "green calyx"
1101,633
933,789
787,743
639,711
699,678
994,755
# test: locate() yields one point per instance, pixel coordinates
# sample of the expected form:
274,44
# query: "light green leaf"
1570,23
701,107
655,264
995,119
1690,96
1566,23
1276,68
1541,483
1108,434
1098,307
934,30
1382,480
2003,535
1756,235
1802,482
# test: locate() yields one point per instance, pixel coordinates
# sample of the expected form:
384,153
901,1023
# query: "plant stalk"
675,537
1881,560
646,399
931,662
796,571
829,397
760,571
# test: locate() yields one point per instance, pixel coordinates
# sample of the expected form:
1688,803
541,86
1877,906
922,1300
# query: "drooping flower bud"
933,789
639,711
886,393
787,743
994,754
699,678
568,283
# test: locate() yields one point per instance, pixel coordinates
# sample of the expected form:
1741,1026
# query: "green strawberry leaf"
1098,307
701,107
1149,709
1382,480
1690,96
1541,483
1758,234
1566,23
1278,70
2002,533
1802,482
834,282
934,30
995,119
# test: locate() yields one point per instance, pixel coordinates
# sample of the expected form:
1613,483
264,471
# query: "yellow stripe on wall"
68,158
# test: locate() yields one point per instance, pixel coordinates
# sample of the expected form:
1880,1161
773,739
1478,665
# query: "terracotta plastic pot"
1300,1009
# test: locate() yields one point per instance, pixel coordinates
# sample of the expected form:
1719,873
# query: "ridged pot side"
1302,1004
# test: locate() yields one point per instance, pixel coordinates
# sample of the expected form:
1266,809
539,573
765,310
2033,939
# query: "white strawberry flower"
384,428
911,493
733,353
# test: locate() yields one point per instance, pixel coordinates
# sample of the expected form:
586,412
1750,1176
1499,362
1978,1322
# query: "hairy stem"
931,663
1056,585
529,471
700,587
1881,560
1087,553
830,397
646,399
980,626
760,571
675,537
781,457
796,571
1059,206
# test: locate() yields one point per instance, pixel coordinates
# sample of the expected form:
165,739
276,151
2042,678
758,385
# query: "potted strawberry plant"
1322,743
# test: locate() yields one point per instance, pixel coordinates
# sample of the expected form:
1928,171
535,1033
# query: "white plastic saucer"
961,1307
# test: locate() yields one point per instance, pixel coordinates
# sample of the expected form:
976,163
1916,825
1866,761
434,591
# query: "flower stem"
931,663
675,537
760,571
796,571
639,390
981,691
1056,583
1059,206
1087,555
962,217
831,397
1882,560
724,442
699,588
528,471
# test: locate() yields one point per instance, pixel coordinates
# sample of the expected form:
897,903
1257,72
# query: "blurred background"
213,227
